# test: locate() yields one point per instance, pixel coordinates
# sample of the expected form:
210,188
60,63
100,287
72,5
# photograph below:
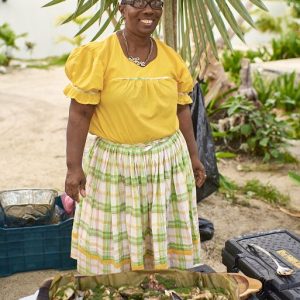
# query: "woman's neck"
136,41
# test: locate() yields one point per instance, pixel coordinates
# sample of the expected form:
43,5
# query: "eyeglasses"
140,4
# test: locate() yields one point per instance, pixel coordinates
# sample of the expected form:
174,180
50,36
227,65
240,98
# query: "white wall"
40,24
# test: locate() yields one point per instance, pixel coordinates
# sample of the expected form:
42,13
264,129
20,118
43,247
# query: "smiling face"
141,22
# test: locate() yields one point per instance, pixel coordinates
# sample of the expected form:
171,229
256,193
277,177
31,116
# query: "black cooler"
283,245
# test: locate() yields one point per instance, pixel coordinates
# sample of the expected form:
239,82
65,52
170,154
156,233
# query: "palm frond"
53,2
259,4
79,11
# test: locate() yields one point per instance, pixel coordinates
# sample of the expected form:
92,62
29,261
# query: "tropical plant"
263,86
232,61
8,38
293,123
249,129
287,46
78,39
3,59
295,4
276,25
187,24
282,92
29,46
294,26
267,23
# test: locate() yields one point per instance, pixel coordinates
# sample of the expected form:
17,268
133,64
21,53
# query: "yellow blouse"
133,104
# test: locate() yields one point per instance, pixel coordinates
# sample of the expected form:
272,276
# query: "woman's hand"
75,184
78,125
186,127
199,171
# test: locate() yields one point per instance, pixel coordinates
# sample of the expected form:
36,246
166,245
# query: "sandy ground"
33,119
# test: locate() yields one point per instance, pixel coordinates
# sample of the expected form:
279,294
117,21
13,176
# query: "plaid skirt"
140,211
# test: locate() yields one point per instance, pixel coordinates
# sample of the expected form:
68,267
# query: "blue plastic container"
36,248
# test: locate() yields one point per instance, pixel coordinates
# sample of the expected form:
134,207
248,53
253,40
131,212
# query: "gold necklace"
137,60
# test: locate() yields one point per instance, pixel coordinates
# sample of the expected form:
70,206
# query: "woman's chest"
132,83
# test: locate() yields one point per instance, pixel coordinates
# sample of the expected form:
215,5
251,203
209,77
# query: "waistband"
142,146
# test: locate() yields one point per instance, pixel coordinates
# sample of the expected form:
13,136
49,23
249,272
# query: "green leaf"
230,19
267,157
241,9
94,19
217,134
252,142
220,155
227,184
208,29
295,176
259,4
219,22
118,25
275,153
193,26
201,47
264,142
246,129
81,11
106,23
186,37
53,2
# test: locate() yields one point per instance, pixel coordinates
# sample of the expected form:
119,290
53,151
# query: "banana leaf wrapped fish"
145,285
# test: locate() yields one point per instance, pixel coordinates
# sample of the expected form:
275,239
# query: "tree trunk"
170,23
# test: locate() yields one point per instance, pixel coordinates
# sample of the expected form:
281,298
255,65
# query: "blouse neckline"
131,63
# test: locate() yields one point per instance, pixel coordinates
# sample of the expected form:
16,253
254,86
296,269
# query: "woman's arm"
186,127
78,125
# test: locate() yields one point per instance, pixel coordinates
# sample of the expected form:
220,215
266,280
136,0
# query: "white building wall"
40,24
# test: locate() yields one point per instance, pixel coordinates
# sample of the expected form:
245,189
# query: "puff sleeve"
185,83
85,72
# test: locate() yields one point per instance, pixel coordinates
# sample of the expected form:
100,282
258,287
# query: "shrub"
295,4
265,192
8,38
231,61
250,129
287,46
293,128
267,23
3,60
282,92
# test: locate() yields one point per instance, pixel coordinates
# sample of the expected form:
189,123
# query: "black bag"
206,229
205,143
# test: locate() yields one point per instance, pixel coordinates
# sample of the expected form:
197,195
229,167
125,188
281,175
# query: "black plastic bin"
285,247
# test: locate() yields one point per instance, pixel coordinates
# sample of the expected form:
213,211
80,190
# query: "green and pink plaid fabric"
140,211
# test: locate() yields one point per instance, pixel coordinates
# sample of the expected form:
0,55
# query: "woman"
138,205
